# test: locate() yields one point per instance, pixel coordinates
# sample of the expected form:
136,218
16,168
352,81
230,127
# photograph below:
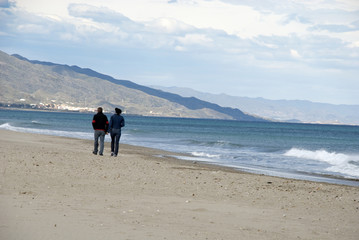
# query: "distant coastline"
26,108
44,107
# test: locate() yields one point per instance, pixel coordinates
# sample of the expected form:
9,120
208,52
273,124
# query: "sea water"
327,153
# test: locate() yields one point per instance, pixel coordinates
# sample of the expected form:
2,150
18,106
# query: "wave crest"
206,155
340,162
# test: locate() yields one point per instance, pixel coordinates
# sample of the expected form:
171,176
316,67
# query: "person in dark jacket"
100,125
116,123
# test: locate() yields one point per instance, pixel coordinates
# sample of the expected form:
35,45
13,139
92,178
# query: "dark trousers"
115,140
99,134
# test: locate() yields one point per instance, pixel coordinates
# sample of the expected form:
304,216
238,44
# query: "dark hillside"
189,102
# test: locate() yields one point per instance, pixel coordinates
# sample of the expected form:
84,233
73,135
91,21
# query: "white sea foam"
206,155
81,135
192,158
341,163
200,157
37,122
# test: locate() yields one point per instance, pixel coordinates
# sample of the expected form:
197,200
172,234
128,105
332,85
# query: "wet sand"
55,188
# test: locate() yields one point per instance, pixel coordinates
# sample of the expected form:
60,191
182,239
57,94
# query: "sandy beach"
55,188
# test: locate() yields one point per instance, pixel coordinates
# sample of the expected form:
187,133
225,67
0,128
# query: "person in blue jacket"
116,123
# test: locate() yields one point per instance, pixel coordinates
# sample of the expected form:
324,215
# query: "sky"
288,49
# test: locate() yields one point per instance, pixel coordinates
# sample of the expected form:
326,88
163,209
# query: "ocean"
315,152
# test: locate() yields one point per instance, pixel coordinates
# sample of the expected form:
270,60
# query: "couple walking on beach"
102,127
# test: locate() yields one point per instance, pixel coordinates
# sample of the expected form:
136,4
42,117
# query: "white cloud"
180,48
294,53
195,39
243,21
246,19
220,26
69,37
168,25
354,45
32,28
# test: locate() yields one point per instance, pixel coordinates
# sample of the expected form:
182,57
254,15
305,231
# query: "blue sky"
307,50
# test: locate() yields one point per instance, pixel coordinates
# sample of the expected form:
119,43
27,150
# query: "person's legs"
95,149
112,143
117,141
102,141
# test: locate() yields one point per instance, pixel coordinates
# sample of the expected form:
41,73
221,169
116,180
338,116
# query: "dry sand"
55,188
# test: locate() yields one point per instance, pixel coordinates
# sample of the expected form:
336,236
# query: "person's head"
118,111
99,109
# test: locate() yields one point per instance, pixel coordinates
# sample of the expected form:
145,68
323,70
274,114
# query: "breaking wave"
341,163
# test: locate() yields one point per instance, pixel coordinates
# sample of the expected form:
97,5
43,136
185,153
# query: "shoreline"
328,179
181,156
55,188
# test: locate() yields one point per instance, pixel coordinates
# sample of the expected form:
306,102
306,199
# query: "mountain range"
279,110
38,84
29,83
